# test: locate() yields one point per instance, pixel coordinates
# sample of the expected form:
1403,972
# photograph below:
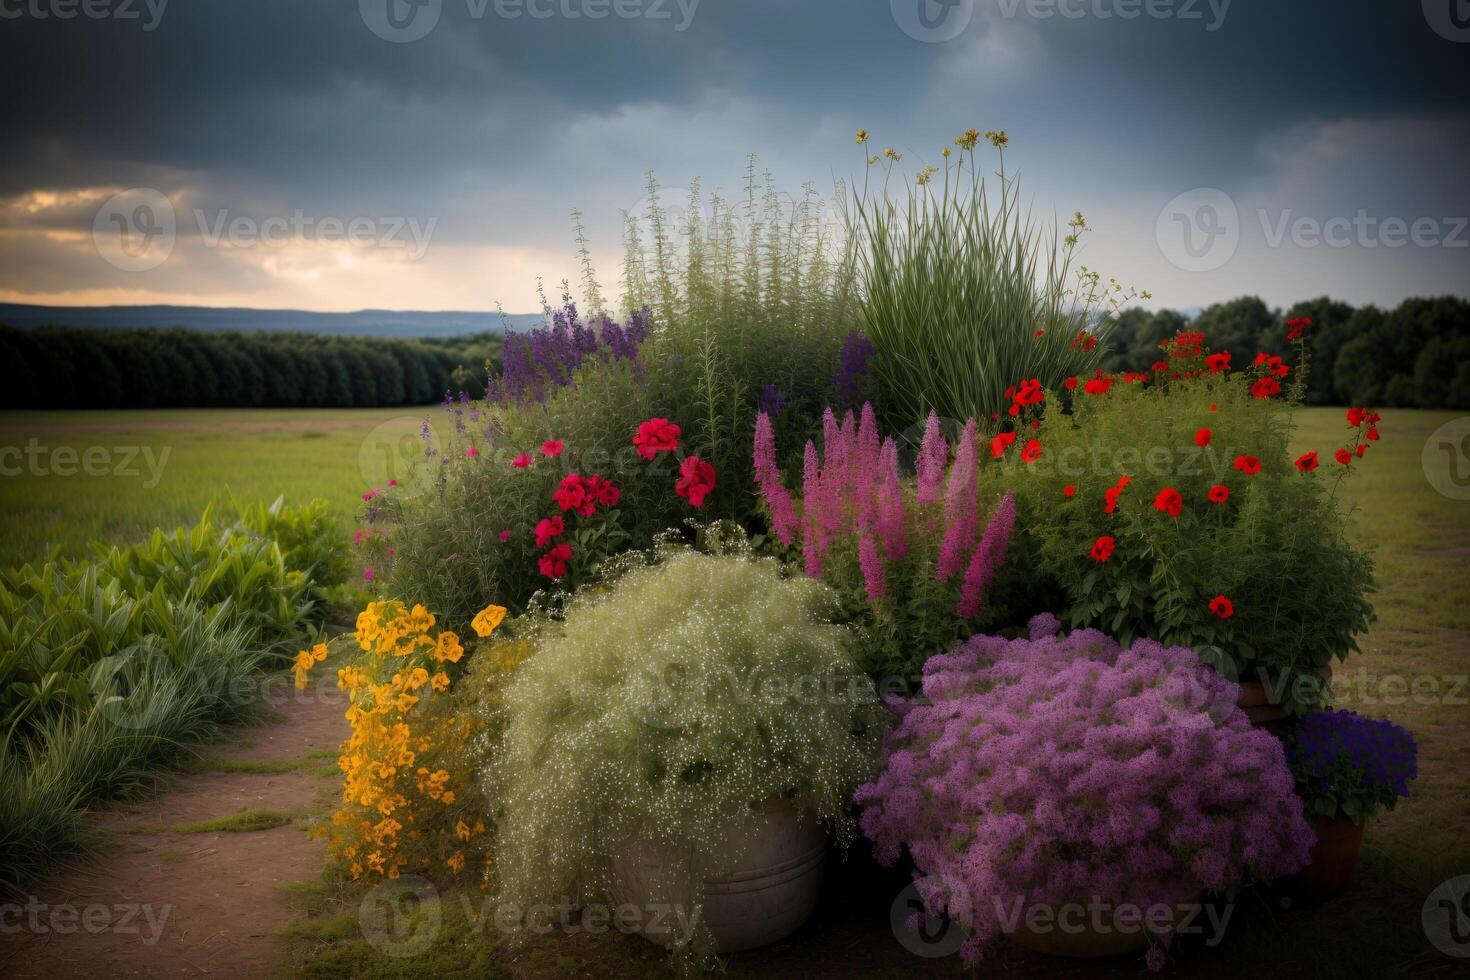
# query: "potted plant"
1348,768
1170,504
683,739
1078,797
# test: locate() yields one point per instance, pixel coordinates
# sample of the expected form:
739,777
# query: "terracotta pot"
761,895
1334,857
1077,938
1262,708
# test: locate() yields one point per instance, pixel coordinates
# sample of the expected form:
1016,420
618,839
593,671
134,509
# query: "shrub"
404,809
1350,766
912,563
1167,505
1057,770
664,705
963,292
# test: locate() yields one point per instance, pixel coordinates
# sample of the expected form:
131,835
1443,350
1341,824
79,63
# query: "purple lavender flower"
773,403
852,369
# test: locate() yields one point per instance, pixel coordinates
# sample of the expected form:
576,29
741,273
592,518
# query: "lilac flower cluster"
1062,769
541,360
852,368
1347,763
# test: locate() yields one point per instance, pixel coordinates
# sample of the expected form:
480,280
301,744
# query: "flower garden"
796,570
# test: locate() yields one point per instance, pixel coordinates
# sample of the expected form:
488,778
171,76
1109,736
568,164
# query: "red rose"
1032,452
1222,607
1219,493
553,564
696,480
1343,456
548,528
656,436
1102,548
1202,437
1307,462
552,447
603,491
572,495
1372,435
1249,465
1357,416
1169,501
521,461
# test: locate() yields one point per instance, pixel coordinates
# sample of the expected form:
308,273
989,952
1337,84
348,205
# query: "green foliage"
1276,548
739,296
666,705
956,278
66,367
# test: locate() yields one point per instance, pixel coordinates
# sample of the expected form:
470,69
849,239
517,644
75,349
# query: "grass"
161,468
245,821
214,763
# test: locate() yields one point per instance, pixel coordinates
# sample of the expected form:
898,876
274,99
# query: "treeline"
1416,355
64,367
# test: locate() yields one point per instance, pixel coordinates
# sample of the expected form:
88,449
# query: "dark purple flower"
852,369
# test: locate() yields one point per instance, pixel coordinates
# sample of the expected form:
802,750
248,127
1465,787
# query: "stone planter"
1077,938
764,892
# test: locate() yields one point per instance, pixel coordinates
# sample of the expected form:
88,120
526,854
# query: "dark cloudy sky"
1204,141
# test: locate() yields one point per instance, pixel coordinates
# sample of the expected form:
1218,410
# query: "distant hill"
362,323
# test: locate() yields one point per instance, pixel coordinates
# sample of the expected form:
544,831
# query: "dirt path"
153,902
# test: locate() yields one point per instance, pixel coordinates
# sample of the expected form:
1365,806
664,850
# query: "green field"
152,469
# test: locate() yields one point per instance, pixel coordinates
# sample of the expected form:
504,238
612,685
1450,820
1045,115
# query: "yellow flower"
440,682
998,140
968,139
892,154
862,136
448,648
487,619
456,862
945,151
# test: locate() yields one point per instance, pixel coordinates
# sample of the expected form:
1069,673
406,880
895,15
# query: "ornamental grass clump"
688,693
1063,769
912,558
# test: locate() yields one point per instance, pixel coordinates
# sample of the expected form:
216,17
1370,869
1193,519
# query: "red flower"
1307,462
1202,437
656,436
1070,384
573,495
1069,490
1001,443
472,452
603,491
548,528
1111,494
1343,456
1218,362
1249,465
1160,366
504,536
696,480
1357,416
1362,448
1169,501
1029,393
1214,407
1372,435
1035,423
1222,607
1102,548
521,461
1295,326
1266,387
1038,332
1098,386
553,564
552,447
1219,493
1032,452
